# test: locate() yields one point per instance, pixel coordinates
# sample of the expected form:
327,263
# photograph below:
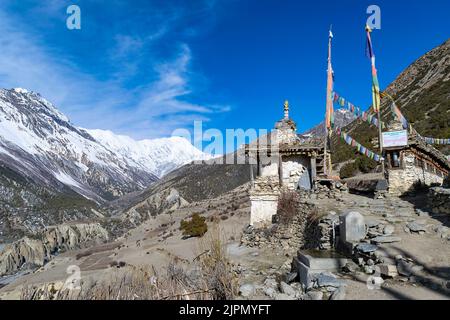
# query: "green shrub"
348,170
365,165
196,227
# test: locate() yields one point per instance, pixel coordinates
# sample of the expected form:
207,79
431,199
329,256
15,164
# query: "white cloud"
153,109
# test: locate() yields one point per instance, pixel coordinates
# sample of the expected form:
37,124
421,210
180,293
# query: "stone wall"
291,235
292,171
439,200
402,180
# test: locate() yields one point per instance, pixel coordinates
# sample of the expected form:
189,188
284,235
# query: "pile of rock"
329,231
369,260
380,232
399,266
288,236
327,285
439,200
332,190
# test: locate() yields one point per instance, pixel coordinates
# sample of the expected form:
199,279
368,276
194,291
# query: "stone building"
415,163
284,161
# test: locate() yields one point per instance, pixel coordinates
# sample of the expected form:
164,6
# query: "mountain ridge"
52,171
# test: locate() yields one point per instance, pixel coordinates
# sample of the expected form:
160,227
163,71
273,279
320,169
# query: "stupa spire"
286,110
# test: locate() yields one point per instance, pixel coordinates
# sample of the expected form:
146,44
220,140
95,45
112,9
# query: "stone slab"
305,273
385,239
366,247
352,227
333,262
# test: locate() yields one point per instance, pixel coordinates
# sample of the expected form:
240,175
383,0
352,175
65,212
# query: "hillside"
422,92
190,183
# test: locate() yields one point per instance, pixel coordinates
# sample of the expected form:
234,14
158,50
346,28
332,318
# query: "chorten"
286,128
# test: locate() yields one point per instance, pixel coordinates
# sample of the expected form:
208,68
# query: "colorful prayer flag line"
361,149
436,140
366,116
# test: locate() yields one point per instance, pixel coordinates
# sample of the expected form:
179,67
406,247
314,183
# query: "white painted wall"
263,208
270,170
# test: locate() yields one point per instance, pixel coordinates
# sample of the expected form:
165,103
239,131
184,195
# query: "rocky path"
407,238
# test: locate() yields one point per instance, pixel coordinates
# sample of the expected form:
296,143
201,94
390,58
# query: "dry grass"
287,207
215,266
129,283
210,278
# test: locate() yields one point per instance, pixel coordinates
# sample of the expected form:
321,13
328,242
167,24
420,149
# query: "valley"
105,213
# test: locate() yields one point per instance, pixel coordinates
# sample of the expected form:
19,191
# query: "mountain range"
52,170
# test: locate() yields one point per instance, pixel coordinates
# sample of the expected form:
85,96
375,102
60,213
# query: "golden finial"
368,28
286,109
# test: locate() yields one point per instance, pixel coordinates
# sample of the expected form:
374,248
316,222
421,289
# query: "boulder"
270,292
313,295
287,289
291,277
388,270
389,229
283,296
372,223
350,267
338,294
247,290
404,268
270,282
416,226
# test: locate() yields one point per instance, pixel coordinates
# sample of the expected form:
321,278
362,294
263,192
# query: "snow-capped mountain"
159,156
39,143
342,117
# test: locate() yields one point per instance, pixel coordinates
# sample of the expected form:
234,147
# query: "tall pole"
376,95
329,108
380,141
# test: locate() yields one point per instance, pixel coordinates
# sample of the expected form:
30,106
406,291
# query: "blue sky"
146,68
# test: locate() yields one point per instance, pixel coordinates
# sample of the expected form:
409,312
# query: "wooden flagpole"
376,108
329,109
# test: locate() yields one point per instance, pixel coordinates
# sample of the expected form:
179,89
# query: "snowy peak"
158,156
342,117
40,143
